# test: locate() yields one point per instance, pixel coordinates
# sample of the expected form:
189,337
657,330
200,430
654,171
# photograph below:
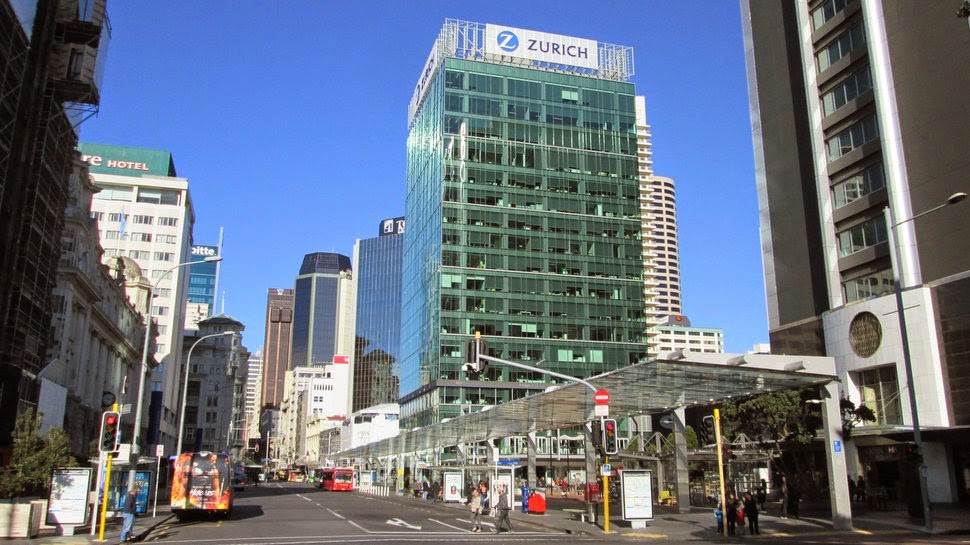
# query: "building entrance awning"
678,379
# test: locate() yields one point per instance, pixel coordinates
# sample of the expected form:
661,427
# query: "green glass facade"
523,224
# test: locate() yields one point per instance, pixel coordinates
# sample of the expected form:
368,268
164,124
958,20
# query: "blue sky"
289,118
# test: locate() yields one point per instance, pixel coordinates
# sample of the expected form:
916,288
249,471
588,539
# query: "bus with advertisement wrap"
335,478
202,483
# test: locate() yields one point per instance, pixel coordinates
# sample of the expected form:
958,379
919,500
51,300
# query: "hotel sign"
541,46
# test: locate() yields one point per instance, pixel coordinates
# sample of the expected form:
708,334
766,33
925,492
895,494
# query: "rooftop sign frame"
549,52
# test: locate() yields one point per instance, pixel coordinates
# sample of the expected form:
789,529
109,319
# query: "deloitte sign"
205,251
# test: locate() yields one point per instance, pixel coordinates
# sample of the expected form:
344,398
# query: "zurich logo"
507,41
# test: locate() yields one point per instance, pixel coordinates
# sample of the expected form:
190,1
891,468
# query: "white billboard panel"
541,46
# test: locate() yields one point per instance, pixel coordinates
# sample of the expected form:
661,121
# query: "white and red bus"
336,478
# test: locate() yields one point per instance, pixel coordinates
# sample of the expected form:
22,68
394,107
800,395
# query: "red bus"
336,478
201,484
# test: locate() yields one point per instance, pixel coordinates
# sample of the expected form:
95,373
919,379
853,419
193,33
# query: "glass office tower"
523,216
319,315
377,339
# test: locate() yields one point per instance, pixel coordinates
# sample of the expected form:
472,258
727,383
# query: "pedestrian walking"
860,488
731,513
128,513
784,497
503,507
762,495
475,504
719,519
751,513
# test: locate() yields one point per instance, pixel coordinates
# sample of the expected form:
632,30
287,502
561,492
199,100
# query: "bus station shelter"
670,383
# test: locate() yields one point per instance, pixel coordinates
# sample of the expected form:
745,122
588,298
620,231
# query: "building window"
862,236
840,47
852,138
826,11
164,256
846,91
97,215
139,254
141,237
157,196
168,222
879,389
142,219
114,194
864,287
864,183
159,310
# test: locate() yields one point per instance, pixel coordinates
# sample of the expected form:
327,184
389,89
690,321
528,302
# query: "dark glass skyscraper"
318,309
523,216
377,344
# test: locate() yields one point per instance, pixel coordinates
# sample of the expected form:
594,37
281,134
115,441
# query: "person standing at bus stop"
128,513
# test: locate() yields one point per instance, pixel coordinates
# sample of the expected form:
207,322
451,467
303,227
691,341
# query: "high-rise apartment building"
144,212
203,284
253,403
661,250
52,54
523,216
322,310
377,266
276,345
859,108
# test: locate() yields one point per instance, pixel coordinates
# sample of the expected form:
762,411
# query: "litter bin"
525,499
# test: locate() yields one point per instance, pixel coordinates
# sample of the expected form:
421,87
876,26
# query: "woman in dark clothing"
731,514
751,513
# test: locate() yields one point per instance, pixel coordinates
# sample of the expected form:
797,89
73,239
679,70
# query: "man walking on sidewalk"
503,507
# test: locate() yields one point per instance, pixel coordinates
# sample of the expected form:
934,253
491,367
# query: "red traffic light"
110,420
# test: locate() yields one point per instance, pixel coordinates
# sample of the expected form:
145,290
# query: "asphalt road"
297,513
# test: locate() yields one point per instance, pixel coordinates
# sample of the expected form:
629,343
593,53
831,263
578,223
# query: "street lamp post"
143,370
185,385
904,339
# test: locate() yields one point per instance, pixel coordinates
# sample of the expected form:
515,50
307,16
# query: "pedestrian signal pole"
108,444
720,466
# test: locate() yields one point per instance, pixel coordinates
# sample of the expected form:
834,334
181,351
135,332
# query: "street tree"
34,457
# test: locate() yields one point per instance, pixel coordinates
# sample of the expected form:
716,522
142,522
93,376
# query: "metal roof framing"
678,379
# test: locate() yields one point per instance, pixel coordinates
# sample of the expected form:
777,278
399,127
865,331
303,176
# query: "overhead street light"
136,432
185,385
904,339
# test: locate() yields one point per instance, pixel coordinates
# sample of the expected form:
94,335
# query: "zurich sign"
507,41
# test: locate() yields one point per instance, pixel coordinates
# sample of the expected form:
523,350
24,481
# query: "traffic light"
109,432
609,436
597,435
474,348
707,435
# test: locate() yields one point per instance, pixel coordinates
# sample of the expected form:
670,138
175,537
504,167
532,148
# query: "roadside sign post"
159,452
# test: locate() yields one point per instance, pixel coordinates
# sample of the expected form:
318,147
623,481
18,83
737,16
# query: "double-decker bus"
335,478
201,483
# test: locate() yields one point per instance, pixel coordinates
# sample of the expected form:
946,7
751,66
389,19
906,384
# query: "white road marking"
399,522
450,526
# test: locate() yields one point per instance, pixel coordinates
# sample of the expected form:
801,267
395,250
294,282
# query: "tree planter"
20,518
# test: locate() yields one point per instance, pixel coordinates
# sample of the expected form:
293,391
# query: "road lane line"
467,531
336,514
